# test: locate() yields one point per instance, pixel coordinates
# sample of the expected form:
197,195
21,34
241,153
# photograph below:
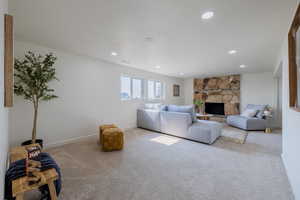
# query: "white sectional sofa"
179,121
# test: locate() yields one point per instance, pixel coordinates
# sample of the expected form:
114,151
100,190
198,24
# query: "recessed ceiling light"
232,52
243,66
157,67
207,15
114,53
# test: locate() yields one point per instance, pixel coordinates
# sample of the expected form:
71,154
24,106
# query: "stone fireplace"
224,89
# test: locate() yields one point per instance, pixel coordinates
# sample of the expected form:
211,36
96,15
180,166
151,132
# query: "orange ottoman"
112,139
102,128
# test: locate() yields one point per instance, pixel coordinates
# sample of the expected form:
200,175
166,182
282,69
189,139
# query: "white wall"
258,88
188,91
279,98
3,111
89,95
291,127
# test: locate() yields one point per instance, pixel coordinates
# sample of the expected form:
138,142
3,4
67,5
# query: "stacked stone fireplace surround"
224,89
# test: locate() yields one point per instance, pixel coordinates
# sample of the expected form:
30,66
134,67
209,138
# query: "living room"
188,84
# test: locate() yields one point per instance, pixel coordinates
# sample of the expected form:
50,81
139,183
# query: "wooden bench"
20,185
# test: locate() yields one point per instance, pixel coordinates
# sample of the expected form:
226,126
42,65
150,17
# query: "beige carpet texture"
157,166
234,135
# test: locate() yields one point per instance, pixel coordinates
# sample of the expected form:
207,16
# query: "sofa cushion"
237,121
249,113
260,108
155,106
184,109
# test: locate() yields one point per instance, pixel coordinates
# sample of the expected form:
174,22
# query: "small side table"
204,116
269,120
20,185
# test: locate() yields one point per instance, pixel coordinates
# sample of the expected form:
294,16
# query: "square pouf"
102,128
113,139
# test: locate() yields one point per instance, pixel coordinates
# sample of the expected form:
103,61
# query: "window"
125,88
155,90
131,88
150,89
136,88
158,90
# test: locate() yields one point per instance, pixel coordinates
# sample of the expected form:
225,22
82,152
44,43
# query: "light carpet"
161,167
233,134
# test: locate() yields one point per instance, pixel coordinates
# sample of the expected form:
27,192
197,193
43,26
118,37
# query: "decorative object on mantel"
8,61
176,90
224,89
32,76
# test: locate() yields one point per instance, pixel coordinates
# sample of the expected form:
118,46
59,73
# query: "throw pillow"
249,113
260,109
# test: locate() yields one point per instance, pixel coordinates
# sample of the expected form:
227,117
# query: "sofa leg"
268,130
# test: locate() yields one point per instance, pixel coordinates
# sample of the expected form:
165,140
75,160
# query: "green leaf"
33,74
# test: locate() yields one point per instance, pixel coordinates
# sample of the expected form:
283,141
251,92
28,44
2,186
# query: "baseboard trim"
67,141
287,173
76,139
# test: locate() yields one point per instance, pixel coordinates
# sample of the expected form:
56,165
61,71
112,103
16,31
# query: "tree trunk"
34,122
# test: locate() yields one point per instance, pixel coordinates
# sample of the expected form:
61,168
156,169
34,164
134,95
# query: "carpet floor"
161,167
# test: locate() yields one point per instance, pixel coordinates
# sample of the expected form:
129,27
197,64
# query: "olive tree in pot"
32,77
199,105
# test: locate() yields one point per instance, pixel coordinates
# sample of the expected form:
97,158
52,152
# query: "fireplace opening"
214,108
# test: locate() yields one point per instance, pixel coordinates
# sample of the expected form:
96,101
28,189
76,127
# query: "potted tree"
199,105
32,76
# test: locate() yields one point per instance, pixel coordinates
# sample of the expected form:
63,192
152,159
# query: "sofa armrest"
175,122
149,119
256,124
